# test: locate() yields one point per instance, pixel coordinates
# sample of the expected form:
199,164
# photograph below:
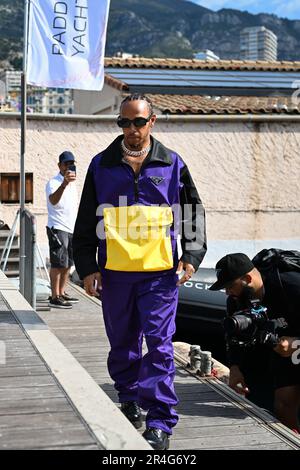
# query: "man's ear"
246,280
152,120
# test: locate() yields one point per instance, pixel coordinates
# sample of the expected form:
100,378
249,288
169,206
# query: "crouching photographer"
262,328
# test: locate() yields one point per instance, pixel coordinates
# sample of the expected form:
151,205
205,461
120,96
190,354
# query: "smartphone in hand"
72,168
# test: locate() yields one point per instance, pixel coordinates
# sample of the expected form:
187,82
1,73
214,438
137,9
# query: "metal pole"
23,148
33,260
22,186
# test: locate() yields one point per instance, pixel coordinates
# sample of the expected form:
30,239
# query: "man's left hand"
189,271
285,346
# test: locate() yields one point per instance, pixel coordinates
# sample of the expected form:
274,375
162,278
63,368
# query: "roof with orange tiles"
176,103
196,64
195,104
115,82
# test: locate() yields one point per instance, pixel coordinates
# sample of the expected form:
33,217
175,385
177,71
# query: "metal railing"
33,255
9,242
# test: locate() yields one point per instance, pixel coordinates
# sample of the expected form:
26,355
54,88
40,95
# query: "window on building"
60,100
10,187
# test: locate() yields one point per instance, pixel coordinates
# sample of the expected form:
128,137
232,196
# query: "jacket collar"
112,156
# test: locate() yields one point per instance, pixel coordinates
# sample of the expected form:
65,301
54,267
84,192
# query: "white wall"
247,174
106,101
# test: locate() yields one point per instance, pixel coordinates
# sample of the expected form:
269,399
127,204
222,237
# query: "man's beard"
247,294
135,146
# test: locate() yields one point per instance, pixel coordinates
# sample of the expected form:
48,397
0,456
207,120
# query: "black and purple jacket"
163,181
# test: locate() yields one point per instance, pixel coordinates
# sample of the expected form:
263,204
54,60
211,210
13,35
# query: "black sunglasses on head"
137,122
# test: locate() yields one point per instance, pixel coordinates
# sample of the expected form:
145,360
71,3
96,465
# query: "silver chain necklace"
135,153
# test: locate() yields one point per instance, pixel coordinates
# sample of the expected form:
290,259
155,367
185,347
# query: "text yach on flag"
66,43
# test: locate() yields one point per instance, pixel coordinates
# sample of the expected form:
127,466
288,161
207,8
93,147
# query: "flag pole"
23,149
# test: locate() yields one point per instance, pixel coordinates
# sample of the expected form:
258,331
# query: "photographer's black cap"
231,267
66,156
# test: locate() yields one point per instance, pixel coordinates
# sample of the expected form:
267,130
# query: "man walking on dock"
130,194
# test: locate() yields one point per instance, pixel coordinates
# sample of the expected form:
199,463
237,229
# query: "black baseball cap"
231,267
66,156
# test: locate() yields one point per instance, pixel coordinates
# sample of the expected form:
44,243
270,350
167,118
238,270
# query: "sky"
285,9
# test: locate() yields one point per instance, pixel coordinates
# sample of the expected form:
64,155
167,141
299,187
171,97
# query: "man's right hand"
69,176
237,381
92,284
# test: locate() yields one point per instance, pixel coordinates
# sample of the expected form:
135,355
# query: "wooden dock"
34,411
47,399
37,405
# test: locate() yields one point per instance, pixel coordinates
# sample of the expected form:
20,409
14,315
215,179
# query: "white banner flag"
66,43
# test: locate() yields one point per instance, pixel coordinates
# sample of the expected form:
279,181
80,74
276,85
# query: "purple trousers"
131,310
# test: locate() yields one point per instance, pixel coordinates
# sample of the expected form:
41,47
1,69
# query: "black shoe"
70,299
157,438
59,302
132,412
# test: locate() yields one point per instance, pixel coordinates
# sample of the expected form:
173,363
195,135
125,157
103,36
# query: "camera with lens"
252,326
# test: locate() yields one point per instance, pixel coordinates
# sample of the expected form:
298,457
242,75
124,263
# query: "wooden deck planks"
35,413
35,438
30,405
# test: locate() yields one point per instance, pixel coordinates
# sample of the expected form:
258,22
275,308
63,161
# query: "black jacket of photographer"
282,299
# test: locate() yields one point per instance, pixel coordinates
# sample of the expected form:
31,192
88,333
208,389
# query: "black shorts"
60,248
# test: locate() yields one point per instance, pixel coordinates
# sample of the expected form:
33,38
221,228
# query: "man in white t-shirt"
61,197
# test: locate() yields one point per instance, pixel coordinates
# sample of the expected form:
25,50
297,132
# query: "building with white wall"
206,55
39,100
258,43
245,166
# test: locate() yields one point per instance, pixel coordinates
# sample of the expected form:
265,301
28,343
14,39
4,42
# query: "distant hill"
11,31
177,28
162,28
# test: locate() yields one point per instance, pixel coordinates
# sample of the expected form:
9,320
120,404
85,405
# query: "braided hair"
138,96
